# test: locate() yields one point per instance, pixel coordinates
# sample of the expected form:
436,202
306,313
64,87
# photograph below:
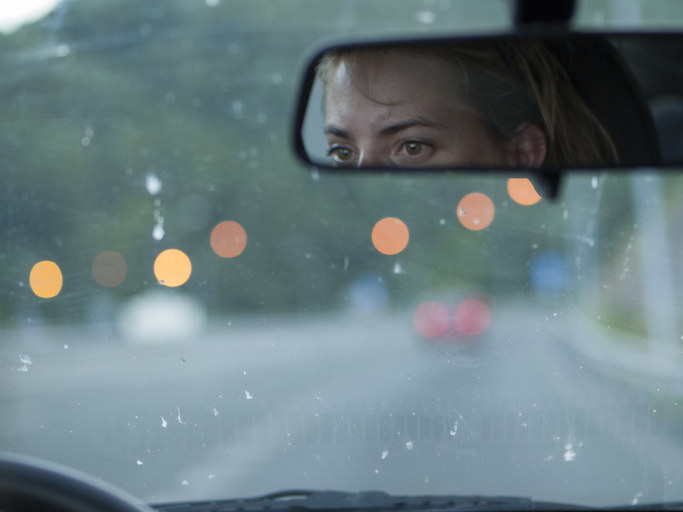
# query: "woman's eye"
413,148
412,152
340,153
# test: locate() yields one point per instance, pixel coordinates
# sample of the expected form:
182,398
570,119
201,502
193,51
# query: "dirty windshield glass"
188,313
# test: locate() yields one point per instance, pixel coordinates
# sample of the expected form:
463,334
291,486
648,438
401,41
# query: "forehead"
393,76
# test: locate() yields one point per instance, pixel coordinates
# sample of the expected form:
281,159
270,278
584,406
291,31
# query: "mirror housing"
619,78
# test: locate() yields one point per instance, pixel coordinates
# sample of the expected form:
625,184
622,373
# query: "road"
349,403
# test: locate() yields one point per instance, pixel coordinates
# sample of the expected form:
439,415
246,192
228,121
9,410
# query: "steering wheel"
30,484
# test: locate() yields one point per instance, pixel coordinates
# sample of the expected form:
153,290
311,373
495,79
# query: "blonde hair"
514,84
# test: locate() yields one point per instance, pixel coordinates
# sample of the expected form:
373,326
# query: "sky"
14,13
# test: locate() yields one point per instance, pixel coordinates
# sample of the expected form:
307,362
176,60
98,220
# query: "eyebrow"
386,130
409,123
335,130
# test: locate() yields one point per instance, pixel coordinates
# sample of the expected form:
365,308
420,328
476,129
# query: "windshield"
189,312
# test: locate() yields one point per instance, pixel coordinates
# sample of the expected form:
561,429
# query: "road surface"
347,403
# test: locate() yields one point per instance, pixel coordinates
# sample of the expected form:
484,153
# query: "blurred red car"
460,320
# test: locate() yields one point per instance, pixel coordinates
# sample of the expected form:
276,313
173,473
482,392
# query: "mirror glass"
580,101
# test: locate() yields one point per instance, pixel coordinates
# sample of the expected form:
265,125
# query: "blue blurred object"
549,273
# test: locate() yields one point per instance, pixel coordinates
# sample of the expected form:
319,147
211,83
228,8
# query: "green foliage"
102,95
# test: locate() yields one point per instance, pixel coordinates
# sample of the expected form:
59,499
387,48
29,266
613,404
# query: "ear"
528,147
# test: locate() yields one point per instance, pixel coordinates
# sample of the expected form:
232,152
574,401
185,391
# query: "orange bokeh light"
172,268
228,239
522,191
476,211
46,279
109,268
390,236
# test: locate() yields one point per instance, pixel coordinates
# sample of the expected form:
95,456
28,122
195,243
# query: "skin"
399,108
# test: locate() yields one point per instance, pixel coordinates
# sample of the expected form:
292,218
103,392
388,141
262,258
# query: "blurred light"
46,279
425,17
390,236
549,273
15,14
161,316
476,211
109,268
472,317
368,294
522,191
228,239
172,268
431,319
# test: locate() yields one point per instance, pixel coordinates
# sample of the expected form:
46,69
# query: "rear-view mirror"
514,102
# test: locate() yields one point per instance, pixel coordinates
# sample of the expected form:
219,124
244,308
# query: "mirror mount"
547,183
529,12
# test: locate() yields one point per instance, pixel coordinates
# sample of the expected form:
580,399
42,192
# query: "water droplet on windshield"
636,498
569,453
594,182
409,445
385,454
158,231
139,462
152,184
25,361
570,448
164,423
454,431
248,395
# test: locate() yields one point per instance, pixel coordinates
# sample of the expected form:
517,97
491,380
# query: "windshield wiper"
375,501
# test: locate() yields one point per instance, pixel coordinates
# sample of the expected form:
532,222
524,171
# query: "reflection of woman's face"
401,108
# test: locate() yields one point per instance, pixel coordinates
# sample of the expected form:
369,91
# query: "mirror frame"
549,175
